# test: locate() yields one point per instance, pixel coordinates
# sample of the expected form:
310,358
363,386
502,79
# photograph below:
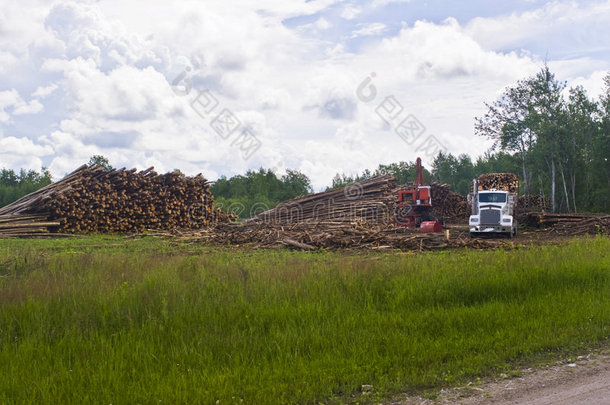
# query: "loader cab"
415,196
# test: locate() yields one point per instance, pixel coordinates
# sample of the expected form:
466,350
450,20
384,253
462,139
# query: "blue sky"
274,83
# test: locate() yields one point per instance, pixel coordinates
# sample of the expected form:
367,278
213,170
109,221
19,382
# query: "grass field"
111,320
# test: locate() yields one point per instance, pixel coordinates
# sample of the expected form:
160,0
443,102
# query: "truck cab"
492,213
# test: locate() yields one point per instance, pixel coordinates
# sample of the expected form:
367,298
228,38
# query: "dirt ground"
579,381
525,236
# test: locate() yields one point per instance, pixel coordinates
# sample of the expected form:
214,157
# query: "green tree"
582,128
508,122
530,119
445,168
342,180
548,120
256,191
403,171
15,185
100,161
601,148
295,184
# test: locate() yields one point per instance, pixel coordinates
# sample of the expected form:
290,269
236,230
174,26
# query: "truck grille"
490,217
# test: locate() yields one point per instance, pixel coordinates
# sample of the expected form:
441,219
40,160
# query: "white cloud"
322,23
375,28
318,26
382,3
7,60
557,28
8,98
350,12
429,50
31,107
44,91
107,69
11,99
22,153
593,84
23,146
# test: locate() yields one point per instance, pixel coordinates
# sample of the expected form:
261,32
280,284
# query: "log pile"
549,219
19,226
571,224
527,204
446,204
91,199
498,181
329,235
592,225
372,200
532,202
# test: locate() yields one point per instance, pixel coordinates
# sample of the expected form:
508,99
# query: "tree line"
14,185
258,190
446,168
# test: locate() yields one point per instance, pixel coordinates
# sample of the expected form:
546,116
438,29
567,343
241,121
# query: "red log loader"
414,205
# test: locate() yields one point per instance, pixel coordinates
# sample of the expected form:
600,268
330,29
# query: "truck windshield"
492,197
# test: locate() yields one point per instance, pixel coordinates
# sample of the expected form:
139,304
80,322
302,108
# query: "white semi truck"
493,205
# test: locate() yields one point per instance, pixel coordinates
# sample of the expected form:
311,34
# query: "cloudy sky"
321,86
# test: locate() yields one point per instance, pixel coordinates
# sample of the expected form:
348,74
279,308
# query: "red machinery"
414,207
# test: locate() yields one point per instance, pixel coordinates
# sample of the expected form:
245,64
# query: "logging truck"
493,199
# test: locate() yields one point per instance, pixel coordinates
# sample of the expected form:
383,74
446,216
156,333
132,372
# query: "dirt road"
584,381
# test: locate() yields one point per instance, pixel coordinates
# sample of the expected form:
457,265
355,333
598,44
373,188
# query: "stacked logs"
571,224
17,226
498,181
92,199
533,202
593,224
530,203
449,205
372,200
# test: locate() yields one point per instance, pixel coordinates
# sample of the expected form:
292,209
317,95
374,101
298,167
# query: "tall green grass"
105,320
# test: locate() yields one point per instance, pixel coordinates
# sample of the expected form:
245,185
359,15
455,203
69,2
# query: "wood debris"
329,235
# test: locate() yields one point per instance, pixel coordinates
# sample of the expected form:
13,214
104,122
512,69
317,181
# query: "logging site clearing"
361,215
126,286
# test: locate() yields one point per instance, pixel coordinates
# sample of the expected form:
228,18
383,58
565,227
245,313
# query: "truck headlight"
506,220
474,219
